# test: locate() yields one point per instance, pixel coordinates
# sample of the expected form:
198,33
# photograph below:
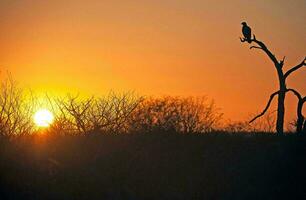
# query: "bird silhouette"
247,32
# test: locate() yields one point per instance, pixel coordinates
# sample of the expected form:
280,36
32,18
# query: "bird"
247,32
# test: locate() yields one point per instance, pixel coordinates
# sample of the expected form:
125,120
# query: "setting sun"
43,118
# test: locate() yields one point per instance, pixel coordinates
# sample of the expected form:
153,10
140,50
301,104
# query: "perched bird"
247,32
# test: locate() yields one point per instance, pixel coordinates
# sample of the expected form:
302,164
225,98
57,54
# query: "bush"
178,114
16,109
106,114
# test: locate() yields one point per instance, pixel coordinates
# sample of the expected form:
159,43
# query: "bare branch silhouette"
255,47
267,106
182,115
303,63
85,115
300,117
16,109
262,46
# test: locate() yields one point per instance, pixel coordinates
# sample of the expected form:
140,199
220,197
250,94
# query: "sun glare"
43,118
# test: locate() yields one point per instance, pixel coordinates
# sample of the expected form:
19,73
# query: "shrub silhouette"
16,109
266,124
106,114
113,113
126,113
178,114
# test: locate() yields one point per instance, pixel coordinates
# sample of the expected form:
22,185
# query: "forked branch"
296,93
301,100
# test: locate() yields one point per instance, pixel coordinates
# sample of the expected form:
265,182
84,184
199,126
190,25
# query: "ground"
153,166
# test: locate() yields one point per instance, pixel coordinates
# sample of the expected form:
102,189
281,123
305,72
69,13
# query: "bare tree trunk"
281,100
300,118
299,111
280,113
300,130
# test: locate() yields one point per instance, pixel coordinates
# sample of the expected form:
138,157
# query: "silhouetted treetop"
282,77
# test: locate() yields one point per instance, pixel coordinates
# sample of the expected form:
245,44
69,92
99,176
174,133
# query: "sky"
157,47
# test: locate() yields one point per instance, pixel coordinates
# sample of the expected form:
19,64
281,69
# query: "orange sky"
175,47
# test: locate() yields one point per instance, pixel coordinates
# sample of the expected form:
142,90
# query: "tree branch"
296,93
300,116
281,63
303,63
255,47
266,108
264,48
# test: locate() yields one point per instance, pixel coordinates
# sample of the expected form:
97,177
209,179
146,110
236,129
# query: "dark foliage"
176,114
153,166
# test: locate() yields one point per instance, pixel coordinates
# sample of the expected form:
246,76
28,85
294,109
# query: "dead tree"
299,112
300,118
108,114
282,77
16,108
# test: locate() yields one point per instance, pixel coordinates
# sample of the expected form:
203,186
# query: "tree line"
118,113
112,113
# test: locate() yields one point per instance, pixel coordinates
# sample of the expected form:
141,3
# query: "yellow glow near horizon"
43,118
179,48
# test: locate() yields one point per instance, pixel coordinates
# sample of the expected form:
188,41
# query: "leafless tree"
111,113
16,109
184,115
84,115
282,77
300,129
75,112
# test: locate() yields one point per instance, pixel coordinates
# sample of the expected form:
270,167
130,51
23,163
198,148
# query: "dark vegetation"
114,113
118,113
156,165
